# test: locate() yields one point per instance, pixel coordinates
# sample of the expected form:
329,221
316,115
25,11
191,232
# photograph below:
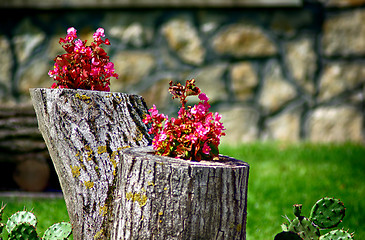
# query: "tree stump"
85,132
165,198
116,192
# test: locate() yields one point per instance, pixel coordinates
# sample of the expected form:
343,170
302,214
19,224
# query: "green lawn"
280,176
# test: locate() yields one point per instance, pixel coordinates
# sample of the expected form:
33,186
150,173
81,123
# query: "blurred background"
282,70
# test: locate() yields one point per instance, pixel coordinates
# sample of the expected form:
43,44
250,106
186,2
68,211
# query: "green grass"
283,175
280,176
47,211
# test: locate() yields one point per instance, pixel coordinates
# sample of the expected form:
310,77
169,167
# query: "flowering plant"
83,67
194,134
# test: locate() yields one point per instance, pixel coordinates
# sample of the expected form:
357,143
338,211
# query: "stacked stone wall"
283,73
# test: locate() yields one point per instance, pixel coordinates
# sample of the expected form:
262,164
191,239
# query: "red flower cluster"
194,135
83,67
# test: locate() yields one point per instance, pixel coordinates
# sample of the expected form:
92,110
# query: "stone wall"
284,73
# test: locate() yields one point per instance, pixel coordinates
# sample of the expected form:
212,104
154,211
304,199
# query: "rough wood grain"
85,132
166,198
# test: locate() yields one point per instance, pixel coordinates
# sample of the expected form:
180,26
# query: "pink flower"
99,33
71,31
201,130
206,149
192,138
50,73
95,61
88,52
217,117
79,46
162,137
153,111
194,134
71,34
109,68
203,97
86,67
95,71
202,108
64,69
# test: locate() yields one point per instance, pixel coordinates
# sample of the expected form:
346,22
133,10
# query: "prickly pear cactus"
23,231
297,209
2,211
327,212
337,234
22,226
1,218
21,217
59,231
304,228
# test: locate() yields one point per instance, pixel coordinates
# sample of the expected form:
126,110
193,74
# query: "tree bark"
85,132
166,198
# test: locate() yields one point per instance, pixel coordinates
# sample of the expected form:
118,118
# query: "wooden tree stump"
85,132
115,192
166,198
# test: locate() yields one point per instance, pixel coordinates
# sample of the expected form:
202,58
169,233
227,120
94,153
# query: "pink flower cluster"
83,67
194,135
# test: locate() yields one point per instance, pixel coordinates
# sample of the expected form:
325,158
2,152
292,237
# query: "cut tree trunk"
85,132
166,198
115,192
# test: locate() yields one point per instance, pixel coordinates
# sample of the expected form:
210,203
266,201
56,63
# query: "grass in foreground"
280,176
283,175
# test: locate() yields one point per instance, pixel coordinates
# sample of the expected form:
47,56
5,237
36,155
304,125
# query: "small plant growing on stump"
194,135
82,66
326,213
22,225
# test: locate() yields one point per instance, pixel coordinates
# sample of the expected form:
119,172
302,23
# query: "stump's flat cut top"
223,162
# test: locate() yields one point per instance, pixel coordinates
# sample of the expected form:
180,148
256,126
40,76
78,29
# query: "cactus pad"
21,217
287,236
23,231
285,227
327,212
2,211
1,228
338,234
304,228
60,231
297,209
1,218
